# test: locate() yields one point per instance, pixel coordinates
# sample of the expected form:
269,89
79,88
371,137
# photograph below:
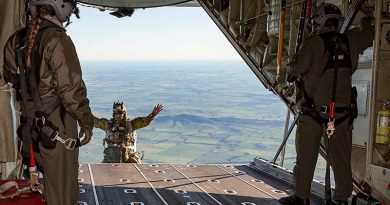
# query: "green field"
214,111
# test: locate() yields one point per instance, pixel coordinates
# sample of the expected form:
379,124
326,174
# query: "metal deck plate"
155,184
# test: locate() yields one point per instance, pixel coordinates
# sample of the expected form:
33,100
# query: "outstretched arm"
100,123
360,39
302,60
141,122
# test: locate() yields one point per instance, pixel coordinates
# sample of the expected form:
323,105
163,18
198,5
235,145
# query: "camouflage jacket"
122,132
134,124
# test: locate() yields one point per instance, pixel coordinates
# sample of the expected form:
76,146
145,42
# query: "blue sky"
166,33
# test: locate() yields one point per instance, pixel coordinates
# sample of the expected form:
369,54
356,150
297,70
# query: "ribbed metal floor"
155,184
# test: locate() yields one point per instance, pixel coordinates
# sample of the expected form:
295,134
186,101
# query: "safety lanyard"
332,104
331,128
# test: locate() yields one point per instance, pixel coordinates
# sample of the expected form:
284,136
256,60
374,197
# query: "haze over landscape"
214,111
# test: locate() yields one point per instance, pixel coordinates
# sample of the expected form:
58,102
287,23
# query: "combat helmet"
62,8
119,109
323,14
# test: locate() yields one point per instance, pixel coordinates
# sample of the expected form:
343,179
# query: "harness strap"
309,110
22,70
34,89
324,109
40,122
48,109
44,126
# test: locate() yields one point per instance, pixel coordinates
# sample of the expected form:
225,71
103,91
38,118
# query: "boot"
293,200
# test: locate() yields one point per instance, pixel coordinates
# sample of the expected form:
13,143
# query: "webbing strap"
20,39
48,110
7,186
34,90
317,117
22,70
332,103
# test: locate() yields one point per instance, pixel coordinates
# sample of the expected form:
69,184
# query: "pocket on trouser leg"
48,135
112,155
47,143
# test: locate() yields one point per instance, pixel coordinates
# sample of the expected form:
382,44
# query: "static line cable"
269,13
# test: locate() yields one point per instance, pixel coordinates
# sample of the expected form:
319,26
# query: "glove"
85,136
365,23
291,78
157,109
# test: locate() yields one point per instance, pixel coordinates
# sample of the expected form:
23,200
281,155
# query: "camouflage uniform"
121,138
318,87
60,83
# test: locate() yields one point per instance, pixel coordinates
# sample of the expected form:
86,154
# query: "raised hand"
157,109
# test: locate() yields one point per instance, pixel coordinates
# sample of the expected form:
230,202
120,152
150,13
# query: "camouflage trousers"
119,154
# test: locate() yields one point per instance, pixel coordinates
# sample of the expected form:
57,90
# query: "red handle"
332,107
32,157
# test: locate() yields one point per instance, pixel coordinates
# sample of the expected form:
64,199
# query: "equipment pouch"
354,108
46,131
113,155
48,136
47,143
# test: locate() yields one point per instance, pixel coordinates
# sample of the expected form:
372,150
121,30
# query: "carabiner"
330,127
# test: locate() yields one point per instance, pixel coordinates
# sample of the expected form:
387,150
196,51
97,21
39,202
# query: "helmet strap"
76,12
68,23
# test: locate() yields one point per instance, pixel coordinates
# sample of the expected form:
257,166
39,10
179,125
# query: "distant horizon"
214,112
209,116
